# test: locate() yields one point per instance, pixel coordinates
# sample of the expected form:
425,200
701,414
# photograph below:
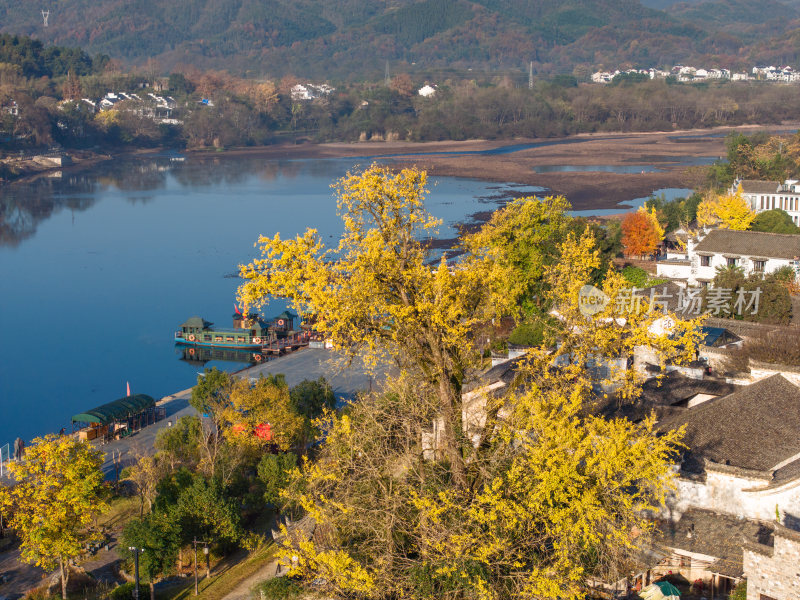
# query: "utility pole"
208,569
136,553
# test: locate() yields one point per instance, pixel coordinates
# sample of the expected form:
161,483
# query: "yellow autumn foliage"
57,493
727,211
551,496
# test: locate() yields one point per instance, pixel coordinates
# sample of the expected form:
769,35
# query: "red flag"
236,308
129,388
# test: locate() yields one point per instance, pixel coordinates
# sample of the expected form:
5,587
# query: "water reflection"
23,207
199,356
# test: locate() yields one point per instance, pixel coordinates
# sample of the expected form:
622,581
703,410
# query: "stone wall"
774,571
742,495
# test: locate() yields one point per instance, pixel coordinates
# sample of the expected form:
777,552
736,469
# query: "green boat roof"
118,409
197,322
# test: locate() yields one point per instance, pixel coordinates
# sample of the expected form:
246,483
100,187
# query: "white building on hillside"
766,195
753,251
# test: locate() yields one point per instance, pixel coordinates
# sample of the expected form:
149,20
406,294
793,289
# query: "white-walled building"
736,508
753,251
766,195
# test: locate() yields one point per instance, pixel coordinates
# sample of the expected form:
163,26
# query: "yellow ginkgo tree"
726,211
56,492
377,292
537,496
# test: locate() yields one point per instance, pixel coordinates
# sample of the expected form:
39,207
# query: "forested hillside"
354,38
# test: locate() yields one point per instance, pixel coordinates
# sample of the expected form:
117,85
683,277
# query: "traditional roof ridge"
752,429
750,243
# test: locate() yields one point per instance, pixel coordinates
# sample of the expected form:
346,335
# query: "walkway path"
310,363
245,590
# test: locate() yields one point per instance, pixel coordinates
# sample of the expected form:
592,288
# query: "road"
310,363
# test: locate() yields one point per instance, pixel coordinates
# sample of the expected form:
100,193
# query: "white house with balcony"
753,251
767,195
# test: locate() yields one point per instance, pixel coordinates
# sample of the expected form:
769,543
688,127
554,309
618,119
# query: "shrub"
123,592
280,588
740,591
639,278
527,334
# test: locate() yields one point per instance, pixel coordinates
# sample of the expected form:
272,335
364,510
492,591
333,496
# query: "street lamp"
205,551
136,552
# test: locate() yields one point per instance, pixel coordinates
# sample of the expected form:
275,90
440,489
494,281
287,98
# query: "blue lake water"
99,267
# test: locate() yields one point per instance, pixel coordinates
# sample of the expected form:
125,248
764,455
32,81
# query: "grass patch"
220,585
120,511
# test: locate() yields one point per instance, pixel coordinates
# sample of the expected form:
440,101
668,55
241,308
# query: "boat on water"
249,332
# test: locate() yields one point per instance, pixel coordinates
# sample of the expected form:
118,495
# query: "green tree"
158,536
273,472
212,385
57,491
774,221
310,399
180,444
516,246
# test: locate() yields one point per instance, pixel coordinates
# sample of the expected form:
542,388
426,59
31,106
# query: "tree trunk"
152,591
452,446
64,577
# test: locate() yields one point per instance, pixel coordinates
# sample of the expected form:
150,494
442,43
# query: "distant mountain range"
355,38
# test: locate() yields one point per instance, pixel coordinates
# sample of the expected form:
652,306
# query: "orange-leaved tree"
640,236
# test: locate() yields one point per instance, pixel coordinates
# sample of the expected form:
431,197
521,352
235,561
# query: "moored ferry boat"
248,332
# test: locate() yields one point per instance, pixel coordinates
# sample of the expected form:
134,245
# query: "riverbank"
308,363
678,155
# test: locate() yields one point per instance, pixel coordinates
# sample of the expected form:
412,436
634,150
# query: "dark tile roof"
754,428
505,372
675,388
713,534
754,186
786,473
750,243
666,396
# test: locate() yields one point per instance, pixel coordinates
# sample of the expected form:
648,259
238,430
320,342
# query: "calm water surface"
99,267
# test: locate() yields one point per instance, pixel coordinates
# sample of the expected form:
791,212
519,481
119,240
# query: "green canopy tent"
661,590
117,410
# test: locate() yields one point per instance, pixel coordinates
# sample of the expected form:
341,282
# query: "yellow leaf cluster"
264,402
57,492
727,211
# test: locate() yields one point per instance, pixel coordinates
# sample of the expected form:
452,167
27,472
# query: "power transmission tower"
530,76
387,78
45,16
